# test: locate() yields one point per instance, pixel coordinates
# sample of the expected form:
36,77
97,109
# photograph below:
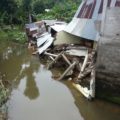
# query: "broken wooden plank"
34,53
59,55
75,52
65,58
86,72
68,69
51,58
84,65
83,90
92,84
50,54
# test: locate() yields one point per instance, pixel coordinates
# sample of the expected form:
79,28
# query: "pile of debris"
78,60
79,65
42,34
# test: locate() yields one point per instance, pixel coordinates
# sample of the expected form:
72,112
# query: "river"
37,96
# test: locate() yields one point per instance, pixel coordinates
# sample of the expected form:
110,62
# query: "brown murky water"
36,96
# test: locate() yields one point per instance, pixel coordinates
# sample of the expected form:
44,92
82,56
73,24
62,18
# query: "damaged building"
89,46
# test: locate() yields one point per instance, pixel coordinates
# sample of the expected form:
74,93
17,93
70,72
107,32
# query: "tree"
39,7
9,7
27,9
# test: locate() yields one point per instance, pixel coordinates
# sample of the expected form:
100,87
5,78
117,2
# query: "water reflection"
96,110
7,53
11,59
31,90
16,63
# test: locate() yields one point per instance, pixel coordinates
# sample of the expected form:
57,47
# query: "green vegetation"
63,10
15,13
19,11
60,11
15,34
3,95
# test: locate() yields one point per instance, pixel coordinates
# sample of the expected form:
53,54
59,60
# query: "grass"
16,34
3,93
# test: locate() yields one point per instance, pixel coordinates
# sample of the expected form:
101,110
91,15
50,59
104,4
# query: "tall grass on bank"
15,34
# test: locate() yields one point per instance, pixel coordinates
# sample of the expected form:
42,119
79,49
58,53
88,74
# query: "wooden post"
51,58
84,74
50,65
66,71
92,84
65,58
50,54
84,65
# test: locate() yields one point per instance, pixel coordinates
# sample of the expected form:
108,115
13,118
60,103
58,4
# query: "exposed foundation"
108,61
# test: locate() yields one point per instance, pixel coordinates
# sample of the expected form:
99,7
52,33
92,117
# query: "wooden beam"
65,58
68,69
84,65
92,84
51,58
50,65
84,74
50,54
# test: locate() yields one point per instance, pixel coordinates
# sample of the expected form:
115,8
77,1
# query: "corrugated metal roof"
84,21
58,27
52,22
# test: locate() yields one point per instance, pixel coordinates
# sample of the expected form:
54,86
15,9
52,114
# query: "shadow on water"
27,71
96,109
15,65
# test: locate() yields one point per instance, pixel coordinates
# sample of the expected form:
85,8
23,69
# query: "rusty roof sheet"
88,17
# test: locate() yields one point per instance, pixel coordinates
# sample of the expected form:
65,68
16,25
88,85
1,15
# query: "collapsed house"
42,33
79,47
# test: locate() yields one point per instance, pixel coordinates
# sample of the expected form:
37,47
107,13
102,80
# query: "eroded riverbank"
36,95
